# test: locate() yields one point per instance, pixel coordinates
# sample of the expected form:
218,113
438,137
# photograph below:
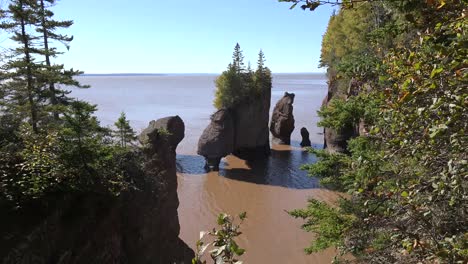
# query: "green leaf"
222,219
435,71
243,215
404,194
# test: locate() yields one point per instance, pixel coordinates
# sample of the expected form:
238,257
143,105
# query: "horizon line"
192,73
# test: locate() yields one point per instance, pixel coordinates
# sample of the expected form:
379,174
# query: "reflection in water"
281,168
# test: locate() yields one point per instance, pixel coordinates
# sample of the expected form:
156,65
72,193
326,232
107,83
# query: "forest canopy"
406,172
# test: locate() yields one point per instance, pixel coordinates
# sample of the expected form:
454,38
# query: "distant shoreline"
185,74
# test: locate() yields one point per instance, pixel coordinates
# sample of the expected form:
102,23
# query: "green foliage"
328,223
87,152
41,170
328,168
225,248
30,84
344,114
347,34
124,133
237,84
406,178
75,156
50,143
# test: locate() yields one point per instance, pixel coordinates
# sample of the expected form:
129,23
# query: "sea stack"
252,138
282,120
217,140
305,138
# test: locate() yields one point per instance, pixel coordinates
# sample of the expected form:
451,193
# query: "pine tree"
56,74
261,62
238,59
238,84
19,74
262,74
124,132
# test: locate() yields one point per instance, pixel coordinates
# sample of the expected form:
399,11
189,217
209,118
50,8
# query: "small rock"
305,138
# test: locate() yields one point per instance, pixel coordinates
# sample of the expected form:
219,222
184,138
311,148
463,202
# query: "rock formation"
337,141
139,226
282,120
305,138
217,140
241,130
252,137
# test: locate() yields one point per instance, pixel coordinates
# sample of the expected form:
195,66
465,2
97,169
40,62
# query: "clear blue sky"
167,36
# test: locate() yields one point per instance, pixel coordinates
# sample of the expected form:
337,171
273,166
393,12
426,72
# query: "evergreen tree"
124,132
19,74
261,61
55,74
237,84
81,139
262,75
238,59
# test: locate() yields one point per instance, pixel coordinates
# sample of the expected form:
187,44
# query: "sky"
168,36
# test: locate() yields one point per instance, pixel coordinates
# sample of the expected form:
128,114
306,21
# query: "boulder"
282,120
305,138
217,140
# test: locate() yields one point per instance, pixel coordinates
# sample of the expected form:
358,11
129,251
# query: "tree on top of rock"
238,84
238,59
261,61
262,74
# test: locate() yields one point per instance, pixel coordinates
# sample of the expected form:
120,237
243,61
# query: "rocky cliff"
252,137
241,130
337,141
139,226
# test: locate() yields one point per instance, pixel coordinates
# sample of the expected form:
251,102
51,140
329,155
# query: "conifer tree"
261,61
238,84
262,74
19,74
56,74
124,132
238,59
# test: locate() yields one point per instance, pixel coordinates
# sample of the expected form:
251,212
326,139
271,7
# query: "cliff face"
252,136
241,130
139,226
337,141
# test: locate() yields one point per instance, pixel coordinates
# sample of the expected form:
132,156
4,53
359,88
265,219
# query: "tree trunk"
53,98
29,77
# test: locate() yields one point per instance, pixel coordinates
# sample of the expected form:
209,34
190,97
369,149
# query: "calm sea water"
265,189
